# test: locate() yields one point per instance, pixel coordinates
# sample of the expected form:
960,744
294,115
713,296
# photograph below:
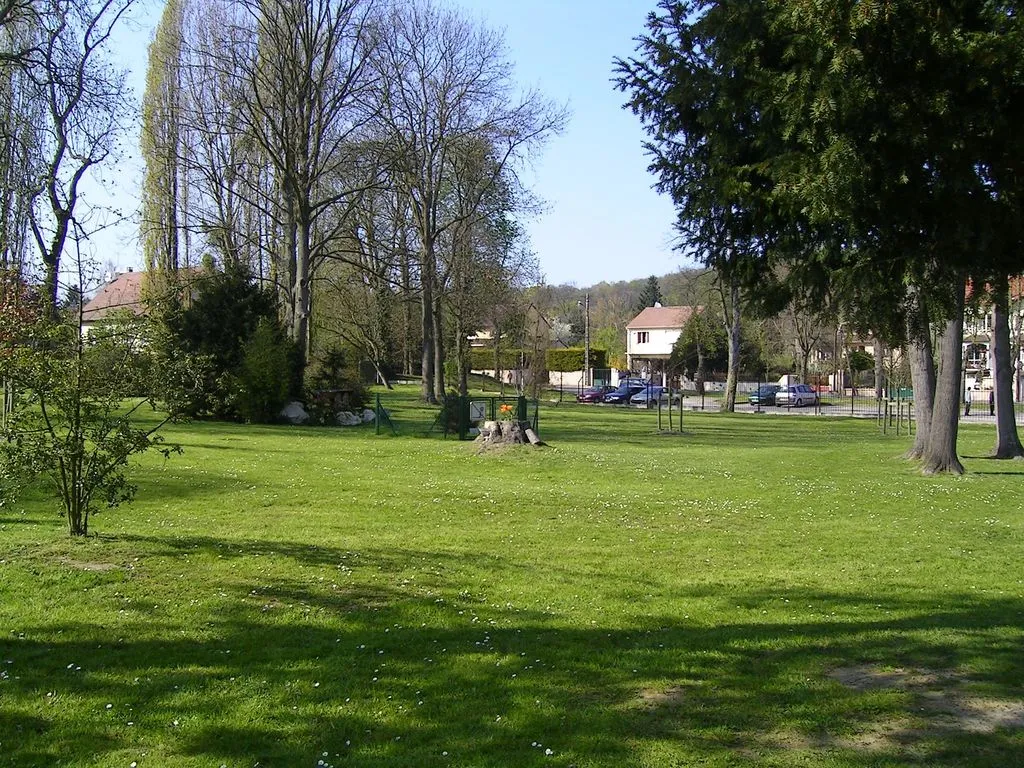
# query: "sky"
602,219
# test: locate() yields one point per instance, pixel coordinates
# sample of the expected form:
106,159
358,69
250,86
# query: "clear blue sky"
603,220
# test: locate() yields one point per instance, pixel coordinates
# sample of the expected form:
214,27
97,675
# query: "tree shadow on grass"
717,431
383,676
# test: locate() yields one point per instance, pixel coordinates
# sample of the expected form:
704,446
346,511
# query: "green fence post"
521,411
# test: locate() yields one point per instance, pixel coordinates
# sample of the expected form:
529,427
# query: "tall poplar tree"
162,151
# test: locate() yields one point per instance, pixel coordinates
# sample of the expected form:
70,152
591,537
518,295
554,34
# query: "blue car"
623,393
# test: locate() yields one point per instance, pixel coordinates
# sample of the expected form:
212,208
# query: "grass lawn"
760,591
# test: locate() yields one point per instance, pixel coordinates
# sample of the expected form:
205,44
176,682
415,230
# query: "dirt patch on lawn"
866,677
662,697
940,702
87,566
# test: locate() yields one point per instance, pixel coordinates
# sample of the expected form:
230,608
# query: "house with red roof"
651,335
122,293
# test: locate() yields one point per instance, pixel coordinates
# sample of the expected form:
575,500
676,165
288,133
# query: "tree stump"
504,432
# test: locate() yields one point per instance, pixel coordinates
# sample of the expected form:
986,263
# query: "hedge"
572,359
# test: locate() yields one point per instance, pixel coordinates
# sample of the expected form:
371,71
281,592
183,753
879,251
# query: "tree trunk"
1008,445
460,356
286,271
50,283
940,453
880,388
922,379
701,373
301,291
439,382
427,317
734,347
407,313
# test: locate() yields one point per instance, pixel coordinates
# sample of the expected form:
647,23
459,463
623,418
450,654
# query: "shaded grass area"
622,599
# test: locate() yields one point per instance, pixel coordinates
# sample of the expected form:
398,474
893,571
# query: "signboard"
477,410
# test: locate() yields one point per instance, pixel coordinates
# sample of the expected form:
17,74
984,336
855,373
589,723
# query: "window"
643,337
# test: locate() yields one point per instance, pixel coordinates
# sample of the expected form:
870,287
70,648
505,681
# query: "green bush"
263,382
333,384
573,359
208,359
120,344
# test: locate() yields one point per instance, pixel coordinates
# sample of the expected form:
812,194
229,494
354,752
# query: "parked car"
765,394
594,394
649,395
796,395
623,393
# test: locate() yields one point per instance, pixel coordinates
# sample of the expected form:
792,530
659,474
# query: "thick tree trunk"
50,282
427,327
940,454
301,292
1008,445
460,355
439,350
286,281
922,379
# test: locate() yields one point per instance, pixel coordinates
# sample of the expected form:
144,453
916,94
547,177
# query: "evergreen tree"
769,130
649,296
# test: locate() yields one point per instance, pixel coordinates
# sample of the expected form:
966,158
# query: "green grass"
621,598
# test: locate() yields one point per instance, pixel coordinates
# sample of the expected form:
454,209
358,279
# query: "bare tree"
85,104
308,96
809,331
443,81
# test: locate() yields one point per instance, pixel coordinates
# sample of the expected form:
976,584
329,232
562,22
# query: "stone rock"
369,415
294,413
348,419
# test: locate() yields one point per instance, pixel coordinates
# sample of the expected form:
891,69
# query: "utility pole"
585,306
586,341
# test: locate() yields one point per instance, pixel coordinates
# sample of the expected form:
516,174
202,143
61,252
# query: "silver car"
796,395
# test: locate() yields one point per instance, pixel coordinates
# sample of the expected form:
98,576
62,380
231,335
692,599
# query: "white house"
651,335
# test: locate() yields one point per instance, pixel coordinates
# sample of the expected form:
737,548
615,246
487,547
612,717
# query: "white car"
796,395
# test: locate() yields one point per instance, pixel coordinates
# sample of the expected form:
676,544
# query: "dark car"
594,394
623,393
765,394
